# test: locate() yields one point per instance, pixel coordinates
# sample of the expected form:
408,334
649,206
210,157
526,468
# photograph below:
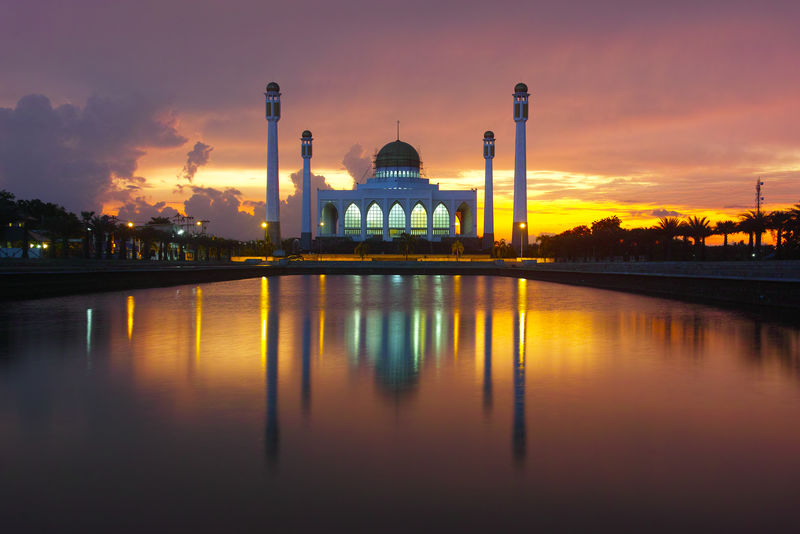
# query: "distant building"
397,200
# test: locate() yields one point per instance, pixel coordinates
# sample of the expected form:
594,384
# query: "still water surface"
395,403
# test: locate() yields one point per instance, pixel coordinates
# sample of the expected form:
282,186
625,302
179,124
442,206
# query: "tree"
361,249
407,243
700,228
86,219
669,228
754,223
725,228
501,249
457,248
778,220
606,235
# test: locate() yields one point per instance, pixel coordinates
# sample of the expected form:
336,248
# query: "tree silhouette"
361,249
669,228
725,228
457,248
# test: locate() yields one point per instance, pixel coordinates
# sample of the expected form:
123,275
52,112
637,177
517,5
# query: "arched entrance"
465,220
329,219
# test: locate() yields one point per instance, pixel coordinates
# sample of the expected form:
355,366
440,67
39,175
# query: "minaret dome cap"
306,134
272,86
520,88
489,134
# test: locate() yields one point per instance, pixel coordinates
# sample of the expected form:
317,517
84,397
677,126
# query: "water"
389,403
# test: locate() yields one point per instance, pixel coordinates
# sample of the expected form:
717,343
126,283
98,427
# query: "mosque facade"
397,200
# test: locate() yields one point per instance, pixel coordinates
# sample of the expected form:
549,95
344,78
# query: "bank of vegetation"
679,239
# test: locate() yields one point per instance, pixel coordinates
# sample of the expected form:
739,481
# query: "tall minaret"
273,95
305,230
519,232
488,203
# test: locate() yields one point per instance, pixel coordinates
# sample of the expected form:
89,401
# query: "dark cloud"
139,211
221,209
665,213
76,156
196,158
292,208
358,165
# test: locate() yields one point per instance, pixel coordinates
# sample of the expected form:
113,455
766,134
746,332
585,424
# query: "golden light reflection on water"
198,320
130,307
263,307
412,334
571,389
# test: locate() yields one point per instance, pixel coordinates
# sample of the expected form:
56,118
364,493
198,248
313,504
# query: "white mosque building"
397,200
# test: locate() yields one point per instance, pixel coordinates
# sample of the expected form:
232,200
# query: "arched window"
397,220
419,220
352,220
441,220
374,219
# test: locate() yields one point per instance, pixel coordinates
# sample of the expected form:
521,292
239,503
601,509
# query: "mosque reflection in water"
394,341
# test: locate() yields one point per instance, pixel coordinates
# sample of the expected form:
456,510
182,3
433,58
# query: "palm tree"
457,248
725,228
361,249
669,228
700,228
407,243
778,220
754,223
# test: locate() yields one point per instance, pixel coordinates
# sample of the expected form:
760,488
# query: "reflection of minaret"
306,381
520,324
519,232
488,204
271,433
305,152
487,345
273,114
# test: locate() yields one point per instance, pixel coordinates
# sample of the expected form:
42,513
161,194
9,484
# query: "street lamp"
321,226
264,226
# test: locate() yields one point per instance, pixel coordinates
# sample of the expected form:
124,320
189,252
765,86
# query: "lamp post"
321,226
264,226
134,253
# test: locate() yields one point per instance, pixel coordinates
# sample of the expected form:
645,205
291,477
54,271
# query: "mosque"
397,199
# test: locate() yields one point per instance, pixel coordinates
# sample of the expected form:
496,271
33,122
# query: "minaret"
305,231
488,204
519,232
273,113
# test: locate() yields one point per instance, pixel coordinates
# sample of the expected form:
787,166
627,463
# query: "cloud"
221,209
357,164
139,211
665,213
292,207
76,156
196,158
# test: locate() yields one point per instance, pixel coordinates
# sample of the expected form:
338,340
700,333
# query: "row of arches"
416,222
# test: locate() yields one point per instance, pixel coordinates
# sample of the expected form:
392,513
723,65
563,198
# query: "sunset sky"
640,109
